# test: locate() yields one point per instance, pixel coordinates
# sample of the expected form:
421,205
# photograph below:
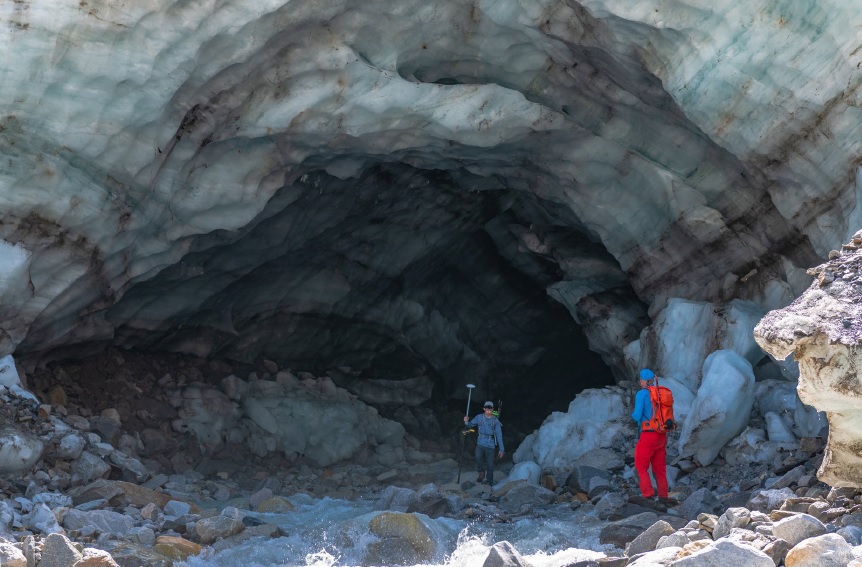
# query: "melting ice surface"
330,532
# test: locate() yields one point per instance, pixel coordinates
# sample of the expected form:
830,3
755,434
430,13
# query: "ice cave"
293,232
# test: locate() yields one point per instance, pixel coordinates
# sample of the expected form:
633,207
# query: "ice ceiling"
455,190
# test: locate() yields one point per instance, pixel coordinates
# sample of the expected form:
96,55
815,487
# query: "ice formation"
423,190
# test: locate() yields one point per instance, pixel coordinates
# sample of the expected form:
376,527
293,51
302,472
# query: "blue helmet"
647,374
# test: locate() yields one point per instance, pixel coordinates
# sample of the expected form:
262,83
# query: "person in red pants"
650,450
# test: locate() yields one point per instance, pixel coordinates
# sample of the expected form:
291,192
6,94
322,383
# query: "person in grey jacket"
490,438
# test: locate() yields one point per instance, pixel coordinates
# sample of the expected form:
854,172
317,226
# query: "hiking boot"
668,501
481,478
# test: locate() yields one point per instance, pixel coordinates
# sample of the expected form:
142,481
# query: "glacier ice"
722,407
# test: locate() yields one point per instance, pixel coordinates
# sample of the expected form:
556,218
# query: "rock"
623,531
259,496
89,467
19,450
404,539
262,530
11,556
176,508
176,547
579,479
103,521
768,500
791,477
777,550
395,498
829,550
700,501
676,539
134,555
43,520
91,557
659,558
798,527
227,523
608,505
694,547
70,446
648,540
732,518
522,496
851,534
503,554
724,553
58,551
275,505
142,535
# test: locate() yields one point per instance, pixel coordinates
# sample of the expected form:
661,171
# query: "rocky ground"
115,484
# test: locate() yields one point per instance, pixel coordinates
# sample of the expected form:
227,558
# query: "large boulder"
822,330
403,539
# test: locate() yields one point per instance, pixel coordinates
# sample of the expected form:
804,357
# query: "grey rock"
700,501
226,524
732,518
623,531
725,553
777,550
608,505
504,554
395,498
89,467
11,556
768,500
676,539
579,479
851,534
648,540
828,550
524,496
176,508
70,446
58,551
104,521
663,557
798,527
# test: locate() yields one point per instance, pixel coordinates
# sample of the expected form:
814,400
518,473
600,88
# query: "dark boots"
481,478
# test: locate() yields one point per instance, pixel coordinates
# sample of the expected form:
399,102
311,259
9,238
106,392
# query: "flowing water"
329,532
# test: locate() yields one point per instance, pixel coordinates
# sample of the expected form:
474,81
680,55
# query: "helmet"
647,374
489,404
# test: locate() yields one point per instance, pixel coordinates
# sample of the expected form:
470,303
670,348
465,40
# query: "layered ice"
596,418
722,407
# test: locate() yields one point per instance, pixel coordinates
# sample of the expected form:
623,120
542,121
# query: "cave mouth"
399,274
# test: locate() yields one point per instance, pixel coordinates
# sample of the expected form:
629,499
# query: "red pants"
651,450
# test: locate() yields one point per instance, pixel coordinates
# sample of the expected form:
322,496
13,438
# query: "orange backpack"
662,409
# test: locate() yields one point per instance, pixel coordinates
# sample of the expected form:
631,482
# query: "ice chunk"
594,418
777,429
9,378
722,407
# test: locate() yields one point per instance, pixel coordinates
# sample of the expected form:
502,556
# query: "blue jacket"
643,407
490,430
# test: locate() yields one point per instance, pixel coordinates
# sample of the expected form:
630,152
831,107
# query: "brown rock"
176,547
274,505
91,557
694,547
57,396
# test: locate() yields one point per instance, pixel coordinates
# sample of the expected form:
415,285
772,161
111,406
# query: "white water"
330,533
